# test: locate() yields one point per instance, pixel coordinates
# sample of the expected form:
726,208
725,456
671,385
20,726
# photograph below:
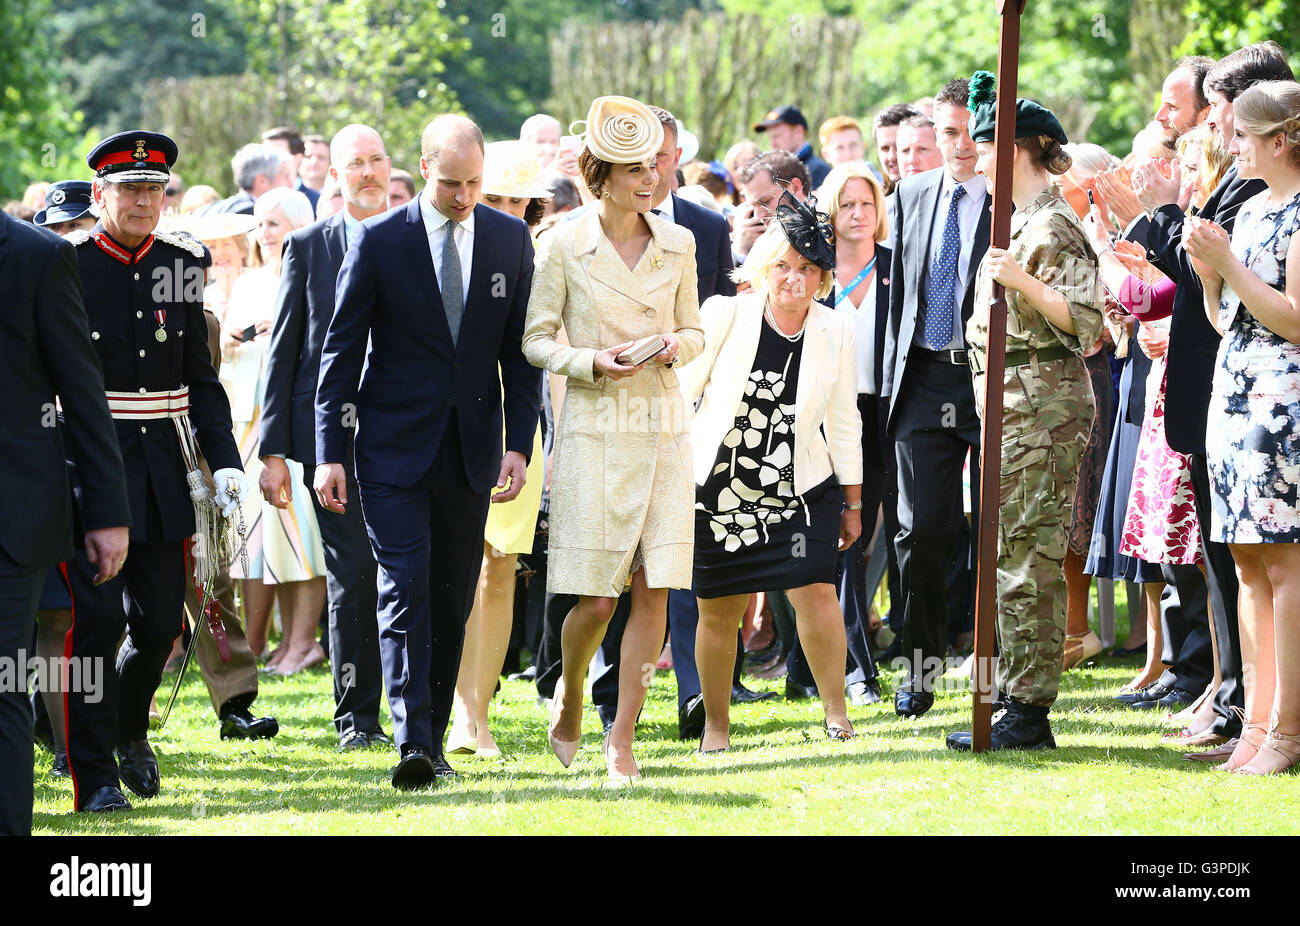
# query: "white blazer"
826,397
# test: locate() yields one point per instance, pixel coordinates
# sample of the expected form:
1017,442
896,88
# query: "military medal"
161,334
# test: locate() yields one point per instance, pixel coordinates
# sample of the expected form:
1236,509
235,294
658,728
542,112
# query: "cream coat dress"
622,490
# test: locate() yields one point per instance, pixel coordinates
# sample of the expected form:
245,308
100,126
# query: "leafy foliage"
39,128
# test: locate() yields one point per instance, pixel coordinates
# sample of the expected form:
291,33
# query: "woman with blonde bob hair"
1252,439
778,459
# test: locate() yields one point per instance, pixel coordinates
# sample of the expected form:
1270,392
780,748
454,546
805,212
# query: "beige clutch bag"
642,350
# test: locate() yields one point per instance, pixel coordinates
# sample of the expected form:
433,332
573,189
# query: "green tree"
1220,26
39,128
109,50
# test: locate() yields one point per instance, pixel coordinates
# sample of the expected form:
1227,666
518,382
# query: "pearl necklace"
771,320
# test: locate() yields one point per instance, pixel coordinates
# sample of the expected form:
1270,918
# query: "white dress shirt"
864,320
968,220
435,226
666,210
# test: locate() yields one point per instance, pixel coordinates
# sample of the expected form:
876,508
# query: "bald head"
347,139
359,165
449,132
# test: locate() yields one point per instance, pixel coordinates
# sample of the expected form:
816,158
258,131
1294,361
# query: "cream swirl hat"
620,130
511,169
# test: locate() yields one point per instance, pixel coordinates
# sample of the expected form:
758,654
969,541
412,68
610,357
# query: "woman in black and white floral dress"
1252,445
777,443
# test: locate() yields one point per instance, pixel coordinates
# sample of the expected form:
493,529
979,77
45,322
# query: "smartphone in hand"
248,333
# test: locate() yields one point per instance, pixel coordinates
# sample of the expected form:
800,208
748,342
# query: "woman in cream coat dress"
621,486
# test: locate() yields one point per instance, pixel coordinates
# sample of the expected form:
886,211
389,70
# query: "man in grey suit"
310,269
941,232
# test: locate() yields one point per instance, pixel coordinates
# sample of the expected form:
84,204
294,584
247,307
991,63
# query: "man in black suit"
257,168
1193,345
941,232
308,275
431,299
48,354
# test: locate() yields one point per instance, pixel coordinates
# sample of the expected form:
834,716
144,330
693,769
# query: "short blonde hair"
763,256
1269,108
828,195
837,124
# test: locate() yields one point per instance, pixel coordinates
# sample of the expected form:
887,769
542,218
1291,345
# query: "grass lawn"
1113,774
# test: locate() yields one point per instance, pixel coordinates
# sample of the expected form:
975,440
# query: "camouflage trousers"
1042,446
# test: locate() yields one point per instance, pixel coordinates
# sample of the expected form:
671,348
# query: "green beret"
1031,118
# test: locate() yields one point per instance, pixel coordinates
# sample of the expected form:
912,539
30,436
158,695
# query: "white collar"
434,220
666,209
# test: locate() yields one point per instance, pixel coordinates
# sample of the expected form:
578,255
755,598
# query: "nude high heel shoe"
564,750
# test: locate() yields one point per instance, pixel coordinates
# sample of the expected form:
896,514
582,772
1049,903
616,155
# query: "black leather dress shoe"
796,692
1153,692
415,770
1175,700
742,695
354,739
442,768
60,767
378,737
690,718
241,725
105,800
909,703
862,694
1023,726
138,767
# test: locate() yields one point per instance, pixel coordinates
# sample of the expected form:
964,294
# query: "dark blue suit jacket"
413,377
309,271
46,350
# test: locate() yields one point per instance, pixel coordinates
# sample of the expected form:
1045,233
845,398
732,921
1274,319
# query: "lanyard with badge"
855,282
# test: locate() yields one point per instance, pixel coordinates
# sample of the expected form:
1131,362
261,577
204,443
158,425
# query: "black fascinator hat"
809,232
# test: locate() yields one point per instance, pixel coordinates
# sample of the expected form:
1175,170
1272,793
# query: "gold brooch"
656,261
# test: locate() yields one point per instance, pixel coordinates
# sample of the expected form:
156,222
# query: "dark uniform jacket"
124,290
44,351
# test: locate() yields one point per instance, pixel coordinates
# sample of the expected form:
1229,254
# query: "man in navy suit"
431,301
309,271
48,352
941,231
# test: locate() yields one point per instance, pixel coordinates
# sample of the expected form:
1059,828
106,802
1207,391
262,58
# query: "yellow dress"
622,489
512,525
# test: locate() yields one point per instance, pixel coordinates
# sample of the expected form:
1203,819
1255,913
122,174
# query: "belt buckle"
953,357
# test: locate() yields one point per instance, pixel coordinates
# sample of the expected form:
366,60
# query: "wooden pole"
986,586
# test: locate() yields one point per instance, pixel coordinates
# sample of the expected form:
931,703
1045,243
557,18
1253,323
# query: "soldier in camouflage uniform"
1049,273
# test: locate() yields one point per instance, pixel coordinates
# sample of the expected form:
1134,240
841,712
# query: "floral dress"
1252,440
752,532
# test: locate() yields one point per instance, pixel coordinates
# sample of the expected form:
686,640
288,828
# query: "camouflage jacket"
1048,242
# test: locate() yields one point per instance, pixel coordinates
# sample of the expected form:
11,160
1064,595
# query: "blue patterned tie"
942,295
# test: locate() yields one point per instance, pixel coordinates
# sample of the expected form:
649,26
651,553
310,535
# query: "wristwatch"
854,507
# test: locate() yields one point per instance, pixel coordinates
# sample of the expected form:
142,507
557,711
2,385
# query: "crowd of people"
597,398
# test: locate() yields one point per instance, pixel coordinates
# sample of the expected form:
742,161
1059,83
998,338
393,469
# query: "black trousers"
147,598
353,626
1185,620
1221,573
20,589
428,541
935,427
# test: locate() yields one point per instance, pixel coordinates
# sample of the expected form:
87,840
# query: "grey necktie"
452,297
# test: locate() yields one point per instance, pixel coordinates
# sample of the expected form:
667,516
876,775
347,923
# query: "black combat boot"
1023,726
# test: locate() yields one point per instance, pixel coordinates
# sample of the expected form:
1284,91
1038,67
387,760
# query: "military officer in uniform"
1053,307
144,303
67,208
